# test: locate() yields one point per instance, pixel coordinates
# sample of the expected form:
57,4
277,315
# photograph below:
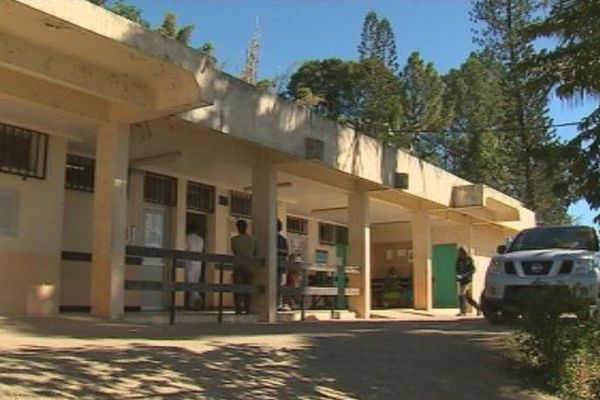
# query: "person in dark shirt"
465,268
283,254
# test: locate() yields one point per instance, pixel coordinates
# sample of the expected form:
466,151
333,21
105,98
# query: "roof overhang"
485,203
78,59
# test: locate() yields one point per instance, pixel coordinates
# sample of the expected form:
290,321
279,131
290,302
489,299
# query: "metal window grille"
200,197
341,234
160,189
23,152
80,173
241,204
297,225
326,233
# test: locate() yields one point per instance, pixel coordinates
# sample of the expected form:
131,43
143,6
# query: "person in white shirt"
193,269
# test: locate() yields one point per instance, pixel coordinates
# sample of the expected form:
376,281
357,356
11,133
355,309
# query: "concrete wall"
30,260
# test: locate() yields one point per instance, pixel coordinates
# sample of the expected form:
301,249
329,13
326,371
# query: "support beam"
109,223
422,270
264,225
359,252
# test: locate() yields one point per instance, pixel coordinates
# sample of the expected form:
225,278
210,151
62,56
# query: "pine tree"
525,106
378,41
422,109
573,68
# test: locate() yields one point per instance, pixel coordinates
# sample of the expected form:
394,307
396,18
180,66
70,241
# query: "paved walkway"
421,358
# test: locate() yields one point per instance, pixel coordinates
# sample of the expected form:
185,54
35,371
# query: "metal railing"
172,286
332,292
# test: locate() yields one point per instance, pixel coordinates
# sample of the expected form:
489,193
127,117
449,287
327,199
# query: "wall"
30,261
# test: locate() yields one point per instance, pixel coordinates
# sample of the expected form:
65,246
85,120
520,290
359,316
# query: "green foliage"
170,29
378,41
573,68
525,105
423,114
124,9
563,353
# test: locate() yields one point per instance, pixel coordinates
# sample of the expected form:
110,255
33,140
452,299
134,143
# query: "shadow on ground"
449,360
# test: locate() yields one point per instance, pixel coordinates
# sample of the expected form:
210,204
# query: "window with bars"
160,189
80,173
200,197
241,204
326,233
297,225
23,152
332,234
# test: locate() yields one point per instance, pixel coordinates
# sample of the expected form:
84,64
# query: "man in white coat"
193,269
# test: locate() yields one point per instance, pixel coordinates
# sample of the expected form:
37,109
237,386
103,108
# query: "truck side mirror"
501,249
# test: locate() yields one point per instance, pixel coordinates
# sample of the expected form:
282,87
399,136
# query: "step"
187,317
315,315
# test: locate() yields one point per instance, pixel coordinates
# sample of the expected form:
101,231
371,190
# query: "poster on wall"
298,245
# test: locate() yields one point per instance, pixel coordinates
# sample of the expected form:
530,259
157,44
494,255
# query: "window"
160,189
326,233
23,152
80,173
332,234
200,197
341,234
241,204
297,225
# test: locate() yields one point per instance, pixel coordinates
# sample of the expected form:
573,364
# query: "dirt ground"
80,358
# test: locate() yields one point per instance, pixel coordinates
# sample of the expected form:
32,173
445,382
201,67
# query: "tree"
364,94
573,68
378,41
250,72
501,35
422,109
170,29
473,142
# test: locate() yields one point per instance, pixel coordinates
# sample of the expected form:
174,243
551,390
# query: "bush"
562,351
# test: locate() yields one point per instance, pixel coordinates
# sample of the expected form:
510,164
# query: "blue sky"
296,30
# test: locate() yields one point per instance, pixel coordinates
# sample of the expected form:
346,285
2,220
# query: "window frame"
240,196
85,163
212,192
171,201
34,164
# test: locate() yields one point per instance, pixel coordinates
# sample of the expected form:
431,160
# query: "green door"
444,275
341,253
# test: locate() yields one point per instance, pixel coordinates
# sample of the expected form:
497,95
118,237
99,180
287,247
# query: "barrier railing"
333,292
172,286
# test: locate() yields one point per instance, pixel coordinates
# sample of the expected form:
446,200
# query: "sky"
297,30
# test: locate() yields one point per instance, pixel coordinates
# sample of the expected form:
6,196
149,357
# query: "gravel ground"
415,358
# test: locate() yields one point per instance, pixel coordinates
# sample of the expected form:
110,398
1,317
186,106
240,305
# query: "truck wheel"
494,317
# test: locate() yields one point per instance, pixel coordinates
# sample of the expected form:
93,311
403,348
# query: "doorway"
156,234
201,222
444,275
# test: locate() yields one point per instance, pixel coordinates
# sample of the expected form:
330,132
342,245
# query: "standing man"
193,269
242,245
465,268
283,254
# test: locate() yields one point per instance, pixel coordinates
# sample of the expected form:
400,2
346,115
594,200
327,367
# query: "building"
113,135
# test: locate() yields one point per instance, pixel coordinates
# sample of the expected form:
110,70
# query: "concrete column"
422,271
359,252
218,242
110,220
264,225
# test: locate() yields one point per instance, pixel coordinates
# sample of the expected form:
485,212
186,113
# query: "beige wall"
30,262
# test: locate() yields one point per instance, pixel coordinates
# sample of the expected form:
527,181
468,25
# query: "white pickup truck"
561,255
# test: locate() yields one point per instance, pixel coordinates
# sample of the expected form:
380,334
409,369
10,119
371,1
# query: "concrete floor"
417,357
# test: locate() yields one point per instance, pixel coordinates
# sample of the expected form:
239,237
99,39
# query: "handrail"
304,266
156,252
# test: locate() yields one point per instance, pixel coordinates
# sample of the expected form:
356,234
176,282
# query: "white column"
179,222
359,252
422,271
110,220
264,225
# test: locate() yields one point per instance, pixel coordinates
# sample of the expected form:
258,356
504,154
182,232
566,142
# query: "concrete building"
113,135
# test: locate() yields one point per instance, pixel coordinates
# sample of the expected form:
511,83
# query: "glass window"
80,173
241,204
297,225
160,189
200,197
579,238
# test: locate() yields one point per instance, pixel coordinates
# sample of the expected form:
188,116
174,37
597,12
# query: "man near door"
242,245
465,268
193,269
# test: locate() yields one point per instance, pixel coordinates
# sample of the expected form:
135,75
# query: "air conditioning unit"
400,180
314,149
